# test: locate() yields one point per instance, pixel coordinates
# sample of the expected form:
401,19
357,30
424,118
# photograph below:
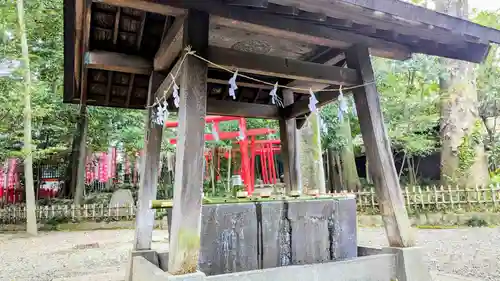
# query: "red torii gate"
262,147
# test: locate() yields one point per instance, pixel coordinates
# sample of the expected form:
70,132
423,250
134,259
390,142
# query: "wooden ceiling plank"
281,67
171,46
117,62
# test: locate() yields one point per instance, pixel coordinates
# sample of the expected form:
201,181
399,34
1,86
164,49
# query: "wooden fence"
429,198
435,198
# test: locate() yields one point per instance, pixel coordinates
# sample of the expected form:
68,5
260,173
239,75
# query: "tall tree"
463,160
312,170
28,157
338,140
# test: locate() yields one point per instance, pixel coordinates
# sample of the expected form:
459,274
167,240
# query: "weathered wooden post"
378,150
188,186
289,148
410,264
145,217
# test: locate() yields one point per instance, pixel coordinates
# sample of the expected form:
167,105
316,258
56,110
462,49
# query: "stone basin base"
260,235
389,264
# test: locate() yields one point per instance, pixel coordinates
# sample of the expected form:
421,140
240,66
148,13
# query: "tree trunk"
333,171
349,170
81,155
463,160
313,173
31,225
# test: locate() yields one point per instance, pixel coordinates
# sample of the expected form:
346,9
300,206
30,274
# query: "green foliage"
54,123
488,90
476,222
330,134
467,150
409,96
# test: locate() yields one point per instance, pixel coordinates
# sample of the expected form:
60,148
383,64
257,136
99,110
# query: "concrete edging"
437,219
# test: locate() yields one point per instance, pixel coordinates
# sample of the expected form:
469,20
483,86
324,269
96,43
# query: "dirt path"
468,252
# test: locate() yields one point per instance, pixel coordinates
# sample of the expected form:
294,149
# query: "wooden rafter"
116,28
140,33
117,62
130,89
109,87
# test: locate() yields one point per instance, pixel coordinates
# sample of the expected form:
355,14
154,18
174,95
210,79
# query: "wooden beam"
281,67
378,150
188,188
385,21
302,107
241,84
242,109
416,13
171,46
145,217
117,62
248,3
290,148
145,5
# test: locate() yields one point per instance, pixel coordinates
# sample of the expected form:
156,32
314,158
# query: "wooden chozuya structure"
120,53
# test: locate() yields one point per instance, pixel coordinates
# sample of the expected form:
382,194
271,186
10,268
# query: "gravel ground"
470,252
473,252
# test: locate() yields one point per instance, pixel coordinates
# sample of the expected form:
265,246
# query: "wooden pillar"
188,186
289,148
378,150
145,216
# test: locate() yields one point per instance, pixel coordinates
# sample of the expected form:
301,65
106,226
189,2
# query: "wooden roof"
130,33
